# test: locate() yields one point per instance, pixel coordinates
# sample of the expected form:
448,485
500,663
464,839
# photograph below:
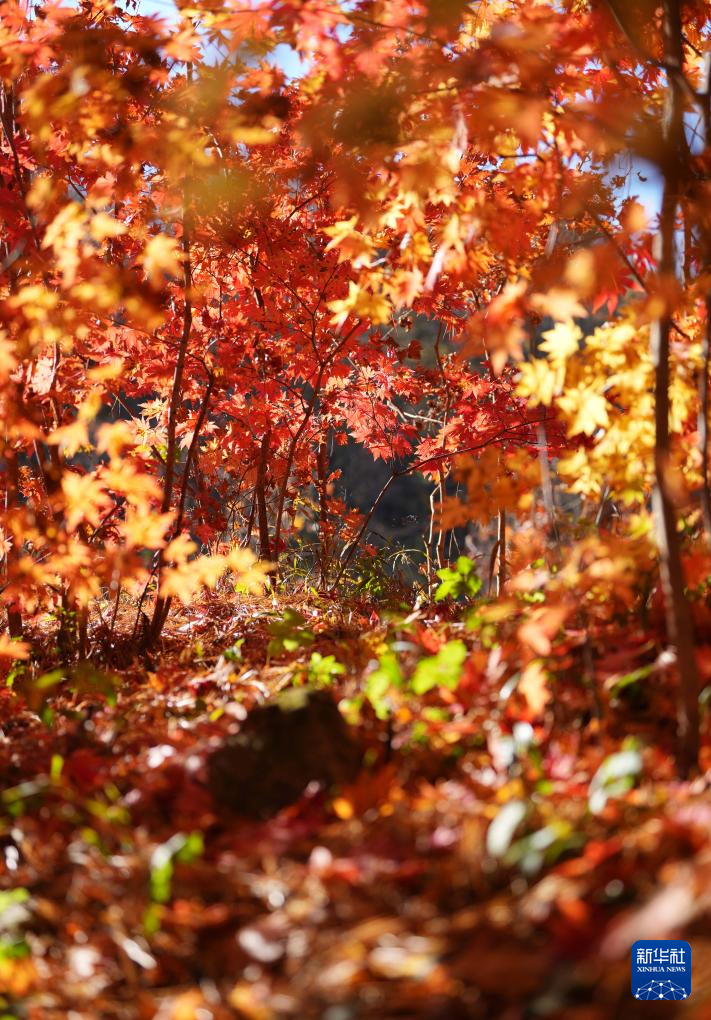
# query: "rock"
296,738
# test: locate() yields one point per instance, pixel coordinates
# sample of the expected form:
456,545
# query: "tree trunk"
14,616
160,611
261,498
703,414
501,541
678,611
322,477
703,422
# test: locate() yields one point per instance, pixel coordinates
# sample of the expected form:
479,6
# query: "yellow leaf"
534,686
102,226
41,192
420,245
245,999
8,361
362,303
343,808
145,530
539,382
18,977
63,235
404,286
139,488
187,1006
559,303
562,341
180,549
340,230
184,45
90,406
189,576
114,437
251,134
586,410
70,438
85,498
185,580
161,257
351,244
108,370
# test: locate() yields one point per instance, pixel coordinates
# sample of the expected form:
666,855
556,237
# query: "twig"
416,466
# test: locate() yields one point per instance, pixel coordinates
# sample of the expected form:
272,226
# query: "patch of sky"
283,55
286,57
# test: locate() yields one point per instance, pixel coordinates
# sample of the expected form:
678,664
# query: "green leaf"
13,950
13,897
47,680
234,653
323,668
151,920
441,670
461,579
450,584
181,847
289,633
193,848
464,566
381,680
632,678
544,846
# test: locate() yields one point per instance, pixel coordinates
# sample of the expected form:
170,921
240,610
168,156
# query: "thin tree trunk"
83,632
192,451
291,453
501,541
51,478
14,616
250,522
260,496
12,487
322,477
429,544
544,465
678,611
703,422
703,416
114,614
348,552
439,548
159,612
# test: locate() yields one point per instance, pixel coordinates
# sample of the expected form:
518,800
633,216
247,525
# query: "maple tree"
468,239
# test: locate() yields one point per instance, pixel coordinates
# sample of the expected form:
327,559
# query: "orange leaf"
542,625
11,649
534,686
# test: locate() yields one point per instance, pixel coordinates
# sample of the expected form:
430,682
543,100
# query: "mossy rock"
295,739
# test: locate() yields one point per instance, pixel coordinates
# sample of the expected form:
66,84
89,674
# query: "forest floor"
485,860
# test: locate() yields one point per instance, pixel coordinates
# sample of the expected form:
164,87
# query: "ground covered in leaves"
493,853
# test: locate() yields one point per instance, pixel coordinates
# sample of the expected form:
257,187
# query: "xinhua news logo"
661,969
